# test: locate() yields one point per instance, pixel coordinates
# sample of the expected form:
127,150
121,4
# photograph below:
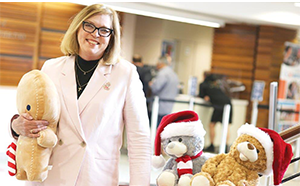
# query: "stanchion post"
191,104
272,114
154,115
225,122
297,154
272,105
254,112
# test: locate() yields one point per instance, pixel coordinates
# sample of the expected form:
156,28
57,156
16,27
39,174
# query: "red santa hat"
184,123
279,153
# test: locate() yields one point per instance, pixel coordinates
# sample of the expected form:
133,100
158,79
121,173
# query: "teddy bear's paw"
21,174
200,181
166,179
225,183
248,183
185,180
47,138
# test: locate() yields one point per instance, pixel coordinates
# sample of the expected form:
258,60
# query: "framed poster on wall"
169,48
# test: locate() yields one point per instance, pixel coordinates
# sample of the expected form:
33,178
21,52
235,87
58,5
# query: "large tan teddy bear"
37,95
255,151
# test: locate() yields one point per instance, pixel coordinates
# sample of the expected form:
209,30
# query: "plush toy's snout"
176,148
247,152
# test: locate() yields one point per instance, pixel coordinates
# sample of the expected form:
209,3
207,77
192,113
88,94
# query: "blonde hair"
70,46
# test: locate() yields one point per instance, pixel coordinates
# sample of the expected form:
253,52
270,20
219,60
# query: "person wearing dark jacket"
211,90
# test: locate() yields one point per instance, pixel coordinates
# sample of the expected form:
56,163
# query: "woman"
99,94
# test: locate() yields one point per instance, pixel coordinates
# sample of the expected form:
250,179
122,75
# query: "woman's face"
92,45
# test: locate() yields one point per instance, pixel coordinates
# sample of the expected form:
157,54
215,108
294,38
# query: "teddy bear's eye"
169,141
257,151
180,139
28,107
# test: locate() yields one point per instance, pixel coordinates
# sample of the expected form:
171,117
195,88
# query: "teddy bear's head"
37,95
249,152
179,146
262,150
181,134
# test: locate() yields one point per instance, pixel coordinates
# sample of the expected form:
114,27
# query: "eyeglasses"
102,31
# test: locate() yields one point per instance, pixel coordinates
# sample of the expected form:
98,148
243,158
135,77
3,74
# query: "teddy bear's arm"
252,179
169,165
210,166
47,138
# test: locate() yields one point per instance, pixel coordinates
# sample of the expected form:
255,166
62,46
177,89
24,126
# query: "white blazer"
90,128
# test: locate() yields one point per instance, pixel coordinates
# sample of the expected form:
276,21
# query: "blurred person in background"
144,72
100,94
212,90
165,86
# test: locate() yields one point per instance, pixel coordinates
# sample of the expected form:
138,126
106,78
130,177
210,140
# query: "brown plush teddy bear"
255,151
37,95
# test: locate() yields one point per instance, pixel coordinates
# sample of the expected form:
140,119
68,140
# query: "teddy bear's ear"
158,161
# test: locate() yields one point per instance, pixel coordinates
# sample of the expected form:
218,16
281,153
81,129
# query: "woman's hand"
206,98
25,125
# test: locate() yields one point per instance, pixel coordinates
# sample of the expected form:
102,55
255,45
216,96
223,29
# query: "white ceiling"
282,14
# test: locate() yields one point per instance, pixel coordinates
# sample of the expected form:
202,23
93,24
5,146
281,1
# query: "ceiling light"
165,16
297,4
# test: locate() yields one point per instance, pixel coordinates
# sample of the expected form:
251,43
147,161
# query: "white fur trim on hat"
192,128
265,141
158,161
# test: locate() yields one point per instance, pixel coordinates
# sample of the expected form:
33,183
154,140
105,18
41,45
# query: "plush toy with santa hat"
255,151
182,137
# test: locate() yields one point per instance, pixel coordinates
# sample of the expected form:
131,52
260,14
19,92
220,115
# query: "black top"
83,72
145,77
211,87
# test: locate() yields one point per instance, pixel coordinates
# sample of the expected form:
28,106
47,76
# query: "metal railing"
289,135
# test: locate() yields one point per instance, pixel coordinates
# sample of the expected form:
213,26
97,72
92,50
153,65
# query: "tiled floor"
124,174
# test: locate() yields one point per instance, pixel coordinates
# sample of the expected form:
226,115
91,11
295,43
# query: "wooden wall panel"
18,26
17,37
13,68
233,54
50,44
57,16
19,11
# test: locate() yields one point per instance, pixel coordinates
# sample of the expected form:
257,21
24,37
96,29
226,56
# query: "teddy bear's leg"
37,176
226,183
166,178
21,174
185,180
202,179
47,138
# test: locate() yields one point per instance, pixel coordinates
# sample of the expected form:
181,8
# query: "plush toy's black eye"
180,140
257,151
28,107
169,141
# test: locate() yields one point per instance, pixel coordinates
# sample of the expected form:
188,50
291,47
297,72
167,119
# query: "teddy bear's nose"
250,146
171,145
